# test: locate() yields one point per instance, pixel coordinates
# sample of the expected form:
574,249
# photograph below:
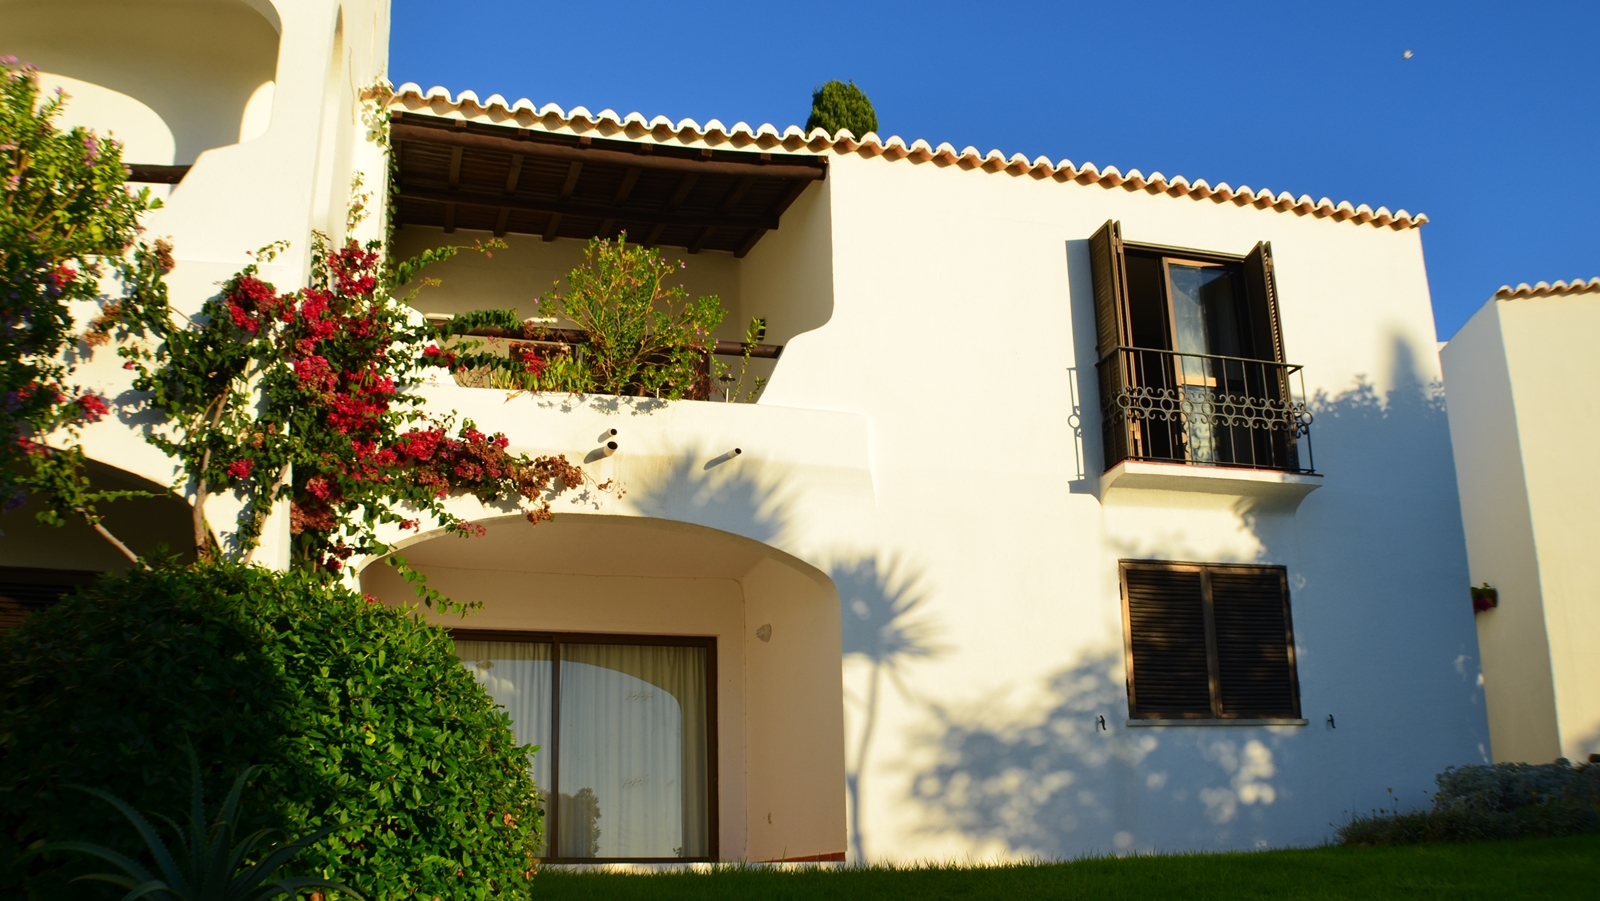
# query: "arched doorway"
40,563
682,682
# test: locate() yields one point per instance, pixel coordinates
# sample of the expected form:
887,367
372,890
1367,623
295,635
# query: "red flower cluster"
240,469
528,355
249,298
432,355
92,407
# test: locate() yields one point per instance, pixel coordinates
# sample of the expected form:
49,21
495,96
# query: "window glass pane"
517,675
1205,309
633,752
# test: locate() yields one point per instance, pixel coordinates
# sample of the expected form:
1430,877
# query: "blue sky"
1491,128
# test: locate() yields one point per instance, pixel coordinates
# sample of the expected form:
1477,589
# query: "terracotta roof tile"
523,113
1546,289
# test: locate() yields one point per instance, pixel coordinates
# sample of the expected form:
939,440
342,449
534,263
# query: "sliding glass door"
625,728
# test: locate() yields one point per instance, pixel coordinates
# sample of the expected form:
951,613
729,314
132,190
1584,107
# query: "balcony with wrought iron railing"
1205,411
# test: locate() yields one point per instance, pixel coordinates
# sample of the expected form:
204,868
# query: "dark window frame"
1152,393
713,718
1217,714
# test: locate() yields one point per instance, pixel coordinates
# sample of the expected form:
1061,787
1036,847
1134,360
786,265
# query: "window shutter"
1255,644
1263,289
1170,676
1109,272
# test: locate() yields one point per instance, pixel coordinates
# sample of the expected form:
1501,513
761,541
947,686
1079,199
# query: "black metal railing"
1202,409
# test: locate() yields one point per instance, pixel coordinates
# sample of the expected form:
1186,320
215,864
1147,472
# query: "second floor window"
1191,364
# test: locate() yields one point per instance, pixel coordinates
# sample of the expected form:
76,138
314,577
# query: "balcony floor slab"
1285,489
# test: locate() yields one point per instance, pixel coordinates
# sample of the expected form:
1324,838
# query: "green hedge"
1479,803
358,713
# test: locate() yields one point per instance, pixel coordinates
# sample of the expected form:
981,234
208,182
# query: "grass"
1504,871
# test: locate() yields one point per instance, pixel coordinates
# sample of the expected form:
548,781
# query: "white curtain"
518,675
634,758
634,771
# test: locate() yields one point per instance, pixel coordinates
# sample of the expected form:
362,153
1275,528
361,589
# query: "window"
25,590
1208,641
1191,357
626,732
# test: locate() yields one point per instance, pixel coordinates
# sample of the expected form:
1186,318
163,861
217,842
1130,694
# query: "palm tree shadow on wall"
1049,781
719,492
1062,783
883,626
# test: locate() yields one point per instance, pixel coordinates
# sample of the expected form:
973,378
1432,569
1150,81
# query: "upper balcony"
713,213
1194,391
1210,414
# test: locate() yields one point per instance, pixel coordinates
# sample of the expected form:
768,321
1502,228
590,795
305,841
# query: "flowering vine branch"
303,397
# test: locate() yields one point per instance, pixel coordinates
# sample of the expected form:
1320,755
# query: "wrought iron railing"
1163,406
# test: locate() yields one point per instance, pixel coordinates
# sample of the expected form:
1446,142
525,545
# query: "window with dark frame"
626,727
1191,362
1208,642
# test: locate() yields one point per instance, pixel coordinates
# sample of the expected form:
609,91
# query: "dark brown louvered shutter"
1255,643
1262,286
1170,676
1109,272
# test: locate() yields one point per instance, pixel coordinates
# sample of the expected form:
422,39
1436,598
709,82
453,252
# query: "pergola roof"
455,174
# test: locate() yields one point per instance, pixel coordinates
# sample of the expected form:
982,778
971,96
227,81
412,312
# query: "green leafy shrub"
838,106
1479,803
359,714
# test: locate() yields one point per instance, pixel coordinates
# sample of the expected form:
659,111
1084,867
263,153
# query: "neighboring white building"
981,582
1529,503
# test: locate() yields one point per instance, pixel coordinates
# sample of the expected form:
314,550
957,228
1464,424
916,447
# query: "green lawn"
1565,868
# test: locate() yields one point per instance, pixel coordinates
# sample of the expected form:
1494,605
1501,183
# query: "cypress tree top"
838,105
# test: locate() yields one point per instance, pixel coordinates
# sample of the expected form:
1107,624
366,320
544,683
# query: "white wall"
1521,432
988,634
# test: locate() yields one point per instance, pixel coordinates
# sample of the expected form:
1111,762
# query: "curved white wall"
195,64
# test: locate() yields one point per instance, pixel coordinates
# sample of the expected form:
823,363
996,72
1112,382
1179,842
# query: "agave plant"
207,865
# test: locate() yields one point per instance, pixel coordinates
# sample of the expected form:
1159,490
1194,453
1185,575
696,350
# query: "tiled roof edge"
1547,289
523,113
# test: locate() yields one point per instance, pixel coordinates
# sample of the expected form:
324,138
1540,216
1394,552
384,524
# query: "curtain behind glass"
634,760
517,675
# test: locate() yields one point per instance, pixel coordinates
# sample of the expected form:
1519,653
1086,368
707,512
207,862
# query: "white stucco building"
1530,514
1024,550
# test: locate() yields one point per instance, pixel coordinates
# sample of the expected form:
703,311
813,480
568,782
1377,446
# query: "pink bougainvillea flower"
240,469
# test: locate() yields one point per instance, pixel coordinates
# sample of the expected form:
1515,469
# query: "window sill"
1212,722
1287,488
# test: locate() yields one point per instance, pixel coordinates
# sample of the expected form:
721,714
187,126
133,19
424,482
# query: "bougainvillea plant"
637,333
302,396
69,233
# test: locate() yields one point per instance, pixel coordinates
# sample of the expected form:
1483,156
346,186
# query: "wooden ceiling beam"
701,239
685,185
552,227
515,174
409,131
568,208
571,184
748,243
737,194
455,167
449,218
500,222
626,188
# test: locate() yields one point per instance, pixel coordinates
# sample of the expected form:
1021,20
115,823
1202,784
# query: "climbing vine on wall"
69,231
302,397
